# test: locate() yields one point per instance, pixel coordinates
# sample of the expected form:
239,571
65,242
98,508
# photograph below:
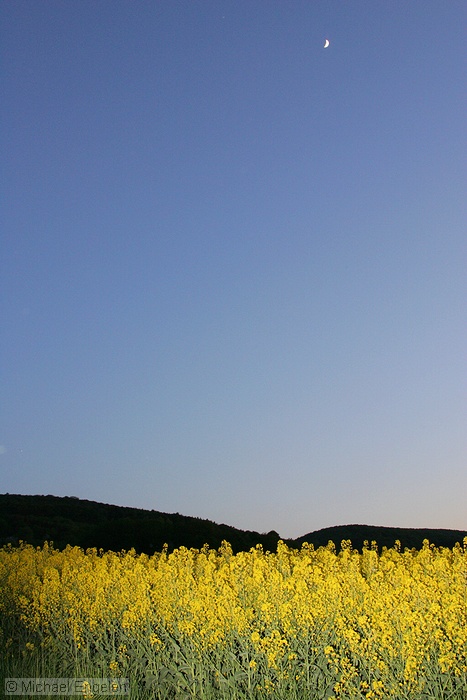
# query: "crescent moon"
326,43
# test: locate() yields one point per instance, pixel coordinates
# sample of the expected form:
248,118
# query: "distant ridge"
383,536
69,520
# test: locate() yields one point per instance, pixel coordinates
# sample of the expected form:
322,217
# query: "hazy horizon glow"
233,262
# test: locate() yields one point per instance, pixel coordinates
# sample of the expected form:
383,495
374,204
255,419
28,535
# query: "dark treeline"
82,523
70,520
359,535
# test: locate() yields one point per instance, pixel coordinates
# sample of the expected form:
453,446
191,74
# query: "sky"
232,270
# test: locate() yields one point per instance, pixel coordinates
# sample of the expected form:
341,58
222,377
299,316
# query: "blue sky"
233,262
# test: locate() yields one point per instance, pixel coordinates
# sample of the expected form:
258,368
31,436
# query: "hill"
383,536
69,520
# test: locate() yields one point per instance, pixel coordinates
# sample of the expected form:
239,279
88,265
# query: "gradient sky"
233,262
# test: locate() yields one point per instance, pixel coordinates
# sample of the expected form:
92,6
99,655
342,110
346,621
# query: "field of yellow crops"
292,624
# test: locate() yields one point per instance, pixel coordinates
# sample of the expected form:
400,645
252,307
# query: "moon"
326,43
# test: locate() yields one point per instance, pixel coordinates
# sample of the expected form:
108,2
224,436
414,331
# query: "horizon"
233,261
221,523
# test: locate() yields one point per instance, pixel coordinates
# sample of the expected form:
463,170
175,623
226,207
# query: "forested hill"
69,520
383,536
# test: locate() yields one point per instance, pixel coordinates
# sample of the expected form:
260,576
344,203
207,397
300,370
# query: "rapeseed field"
207,624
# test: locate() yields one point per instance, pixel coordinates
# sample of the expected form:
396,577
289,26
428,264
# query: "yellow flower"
154,640
396,616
